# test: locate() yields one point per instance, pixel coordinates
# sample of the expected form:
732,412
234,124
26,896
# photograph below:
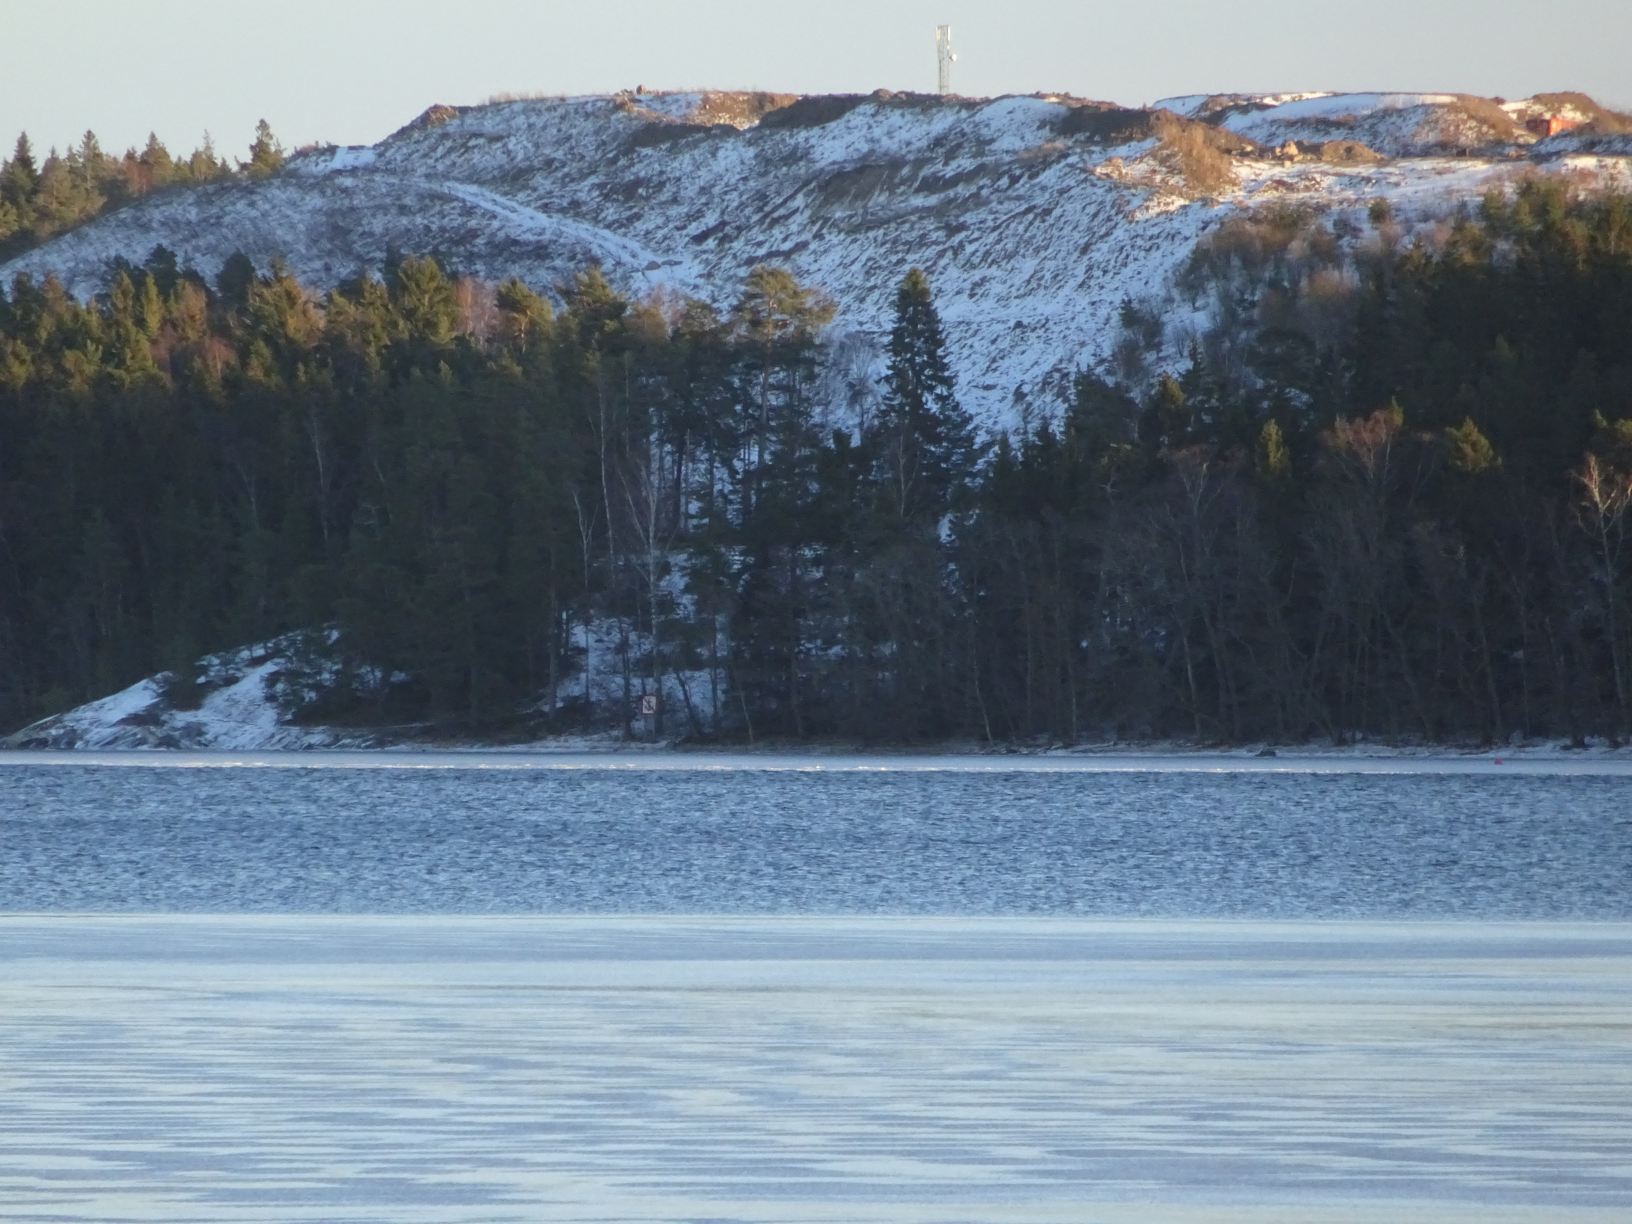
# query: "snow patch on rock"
240,709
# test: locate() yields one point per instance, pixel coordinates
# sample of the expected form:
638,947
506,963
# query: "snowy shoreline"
1120,758
242,715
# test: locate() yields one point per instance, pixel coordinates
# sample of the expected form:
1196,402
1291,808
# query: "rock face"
1035,217
235,704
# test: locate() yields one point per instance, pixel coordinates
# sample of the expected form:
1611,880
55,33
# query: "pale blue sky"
351,71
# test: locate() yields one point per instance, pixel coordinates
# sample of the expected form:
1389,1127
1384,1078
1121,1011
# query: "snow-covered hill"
236,706
250,699
1035,216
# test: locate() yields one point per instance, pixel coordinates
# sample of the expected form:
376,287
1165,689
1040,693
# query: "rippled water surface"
461,838
796,991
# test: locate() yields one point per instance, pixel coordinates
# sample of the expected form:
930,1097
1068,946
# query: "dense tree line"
1388,494
40,199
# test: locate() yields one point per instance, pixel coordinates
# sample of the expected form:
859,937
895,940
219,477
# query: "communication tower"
945,56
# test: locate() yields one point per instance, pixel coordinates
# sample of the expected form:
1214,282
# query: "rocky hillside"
1036,217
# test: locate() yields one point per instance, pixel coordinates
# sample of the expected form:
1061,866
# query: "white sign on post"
648,705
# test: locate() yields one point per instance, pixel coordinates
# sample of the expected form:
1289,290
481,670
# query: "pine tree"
20,179
925,441
236,278
266,154
1166,421
775,324
525,319
93,163
157,162
596,308
64,199
204,166
1102,417
429,312
161,266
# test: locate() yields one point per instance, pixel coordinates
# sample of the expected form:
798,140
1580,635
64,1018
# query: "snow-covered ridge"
1195,105
1032,227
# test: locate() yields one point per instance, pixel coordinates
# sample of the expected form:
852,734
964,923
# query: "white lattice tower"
945,56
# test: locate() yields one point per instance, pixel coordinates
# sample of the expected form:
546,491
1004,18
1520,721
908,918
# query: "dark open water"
191,837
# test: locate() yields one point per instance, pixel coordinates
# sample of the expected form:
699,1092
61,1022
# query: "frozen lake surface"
1090,836
917,1070
474,989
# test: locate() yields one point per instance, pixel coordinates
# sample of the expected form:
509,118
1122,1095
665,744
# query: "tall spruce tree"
92,162
924,440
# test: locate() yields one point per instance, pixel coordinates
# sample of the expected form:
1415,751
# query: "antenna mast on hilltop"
946,57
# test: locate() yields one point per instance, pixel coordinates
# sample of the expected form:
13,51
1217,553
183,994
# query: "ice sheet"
370,1069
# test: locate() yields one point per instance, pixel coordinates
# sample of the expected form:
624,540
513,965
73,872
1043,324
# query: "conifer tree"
525,318
235,280
1166,420
266,154
156,161
20,179
775,324
93,163
204,165
65,197
924,438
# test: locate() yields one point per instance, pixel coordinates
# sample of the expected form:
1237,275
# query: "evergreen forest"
41,198
1387,493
